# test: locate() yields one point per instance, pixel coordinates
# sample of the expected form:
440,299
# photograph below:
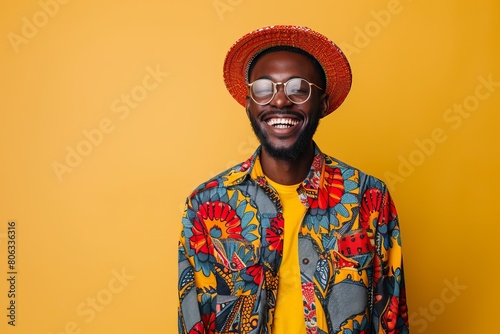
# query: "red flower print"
333,188
257,272
220,220
374,206
205,325
388,212
209,321
197,328
370,207
200,241
390,316
213,219
274,234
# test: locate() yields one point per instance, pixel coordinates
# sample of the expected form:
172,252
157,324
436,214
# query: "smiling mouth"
282,123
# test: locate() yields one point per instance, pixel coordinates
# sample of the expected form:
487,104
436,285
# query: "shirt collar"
308,188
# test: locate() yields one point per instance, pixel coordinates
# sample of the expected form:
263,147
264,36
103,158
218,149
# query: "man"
291,240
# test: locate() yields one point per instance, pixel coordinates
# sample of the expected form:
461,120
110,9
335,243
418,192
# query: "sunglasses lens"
262,90
298,90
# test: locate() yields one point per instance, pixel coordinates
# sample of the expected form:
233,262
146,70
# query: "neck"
287,172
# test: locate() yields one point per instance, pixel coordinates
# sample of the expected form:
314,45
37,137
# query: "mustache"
280,112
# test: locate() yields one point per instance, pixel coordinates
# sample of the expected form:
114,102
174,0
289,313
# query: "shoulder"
225,179
365,180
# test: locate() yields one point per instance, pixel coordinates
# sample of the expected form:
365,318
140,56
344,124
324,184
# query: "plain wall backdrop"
113,111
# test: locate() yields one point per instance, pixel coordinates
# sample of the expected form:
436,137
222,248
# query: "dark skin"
280,66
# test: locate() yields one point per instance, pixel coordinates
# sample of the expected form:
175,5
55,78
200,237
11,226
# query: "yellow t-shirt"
289,312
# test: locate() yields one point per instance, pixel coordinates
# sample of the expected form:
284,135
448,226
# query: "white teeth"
282,123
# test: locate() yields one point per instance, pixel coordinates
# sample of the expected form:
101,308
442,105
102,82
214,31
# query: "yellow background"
117,211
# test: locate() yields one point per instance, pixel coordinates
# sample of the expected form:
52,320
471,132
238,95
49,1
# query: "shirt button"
305,261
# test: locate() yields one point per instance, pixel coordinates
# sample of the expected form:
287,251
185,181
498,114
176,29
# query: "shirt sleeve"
196,308
390,312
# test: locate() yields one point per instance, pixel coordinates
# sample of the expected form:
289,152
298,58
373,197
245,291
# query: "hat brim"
331,58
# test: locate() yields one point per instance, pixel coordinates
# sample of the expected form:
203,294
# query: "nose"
280,100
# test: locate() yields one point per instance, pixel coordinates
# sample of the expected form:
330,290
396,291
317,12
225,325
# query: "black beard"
293,153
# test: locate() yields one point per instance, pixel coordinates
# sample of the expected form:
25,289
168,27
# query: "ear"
247,106
324,105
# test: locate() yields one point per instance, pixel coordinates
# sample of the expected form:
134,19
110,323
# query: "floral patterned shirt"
231,244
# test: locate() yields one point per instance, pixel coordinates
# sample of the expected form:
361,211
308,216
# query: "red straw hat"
330,57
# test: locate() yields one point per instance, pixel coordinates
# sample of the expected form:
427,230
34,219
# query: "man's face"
285,129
